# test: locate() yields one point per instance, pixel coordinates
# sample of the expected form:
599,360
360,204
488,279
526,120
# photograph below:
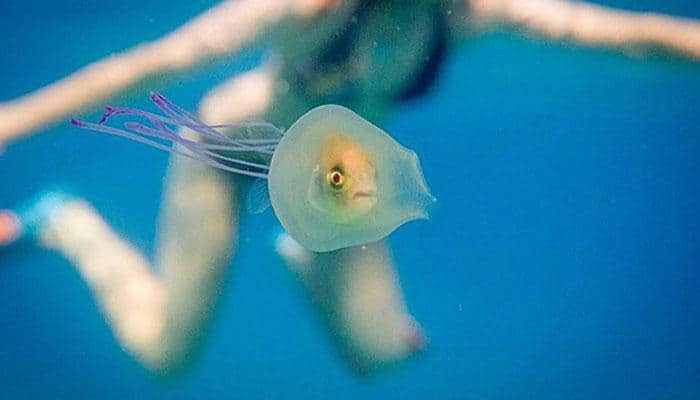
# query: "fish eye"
336,178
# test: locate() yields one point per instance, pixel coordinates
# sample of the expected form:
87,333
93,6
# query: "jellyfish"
333,179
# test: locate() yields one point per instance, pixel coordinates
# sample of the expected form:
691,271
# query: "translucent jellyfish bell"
337,181
334,180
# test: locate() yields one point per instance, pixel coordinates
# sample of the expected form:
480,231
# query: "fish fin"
258,199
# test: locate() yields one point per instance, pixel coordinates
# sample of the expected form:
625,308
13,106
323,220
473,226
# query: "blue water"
560,263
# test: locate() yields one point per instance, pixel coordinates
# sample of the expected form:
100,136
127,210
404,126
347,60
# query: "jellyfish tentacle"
197,155
163,122
160,127
111,111
223,147
195,147
131,136
222,142
265,146
185,118
267,142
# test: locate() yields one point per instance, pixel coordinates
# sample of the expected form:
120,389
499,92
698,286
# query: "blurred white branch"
594,25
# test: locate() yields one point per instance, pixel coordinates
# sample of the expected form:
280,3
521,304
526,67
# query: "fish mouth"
364,194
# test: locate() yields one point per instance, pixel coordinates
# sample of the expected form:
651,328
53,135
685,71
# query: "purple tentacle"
162,128
196,156
191,145
162,122
185,118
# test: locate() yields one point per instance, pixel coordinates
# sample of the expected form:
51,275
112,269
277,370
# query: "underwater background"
561,261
